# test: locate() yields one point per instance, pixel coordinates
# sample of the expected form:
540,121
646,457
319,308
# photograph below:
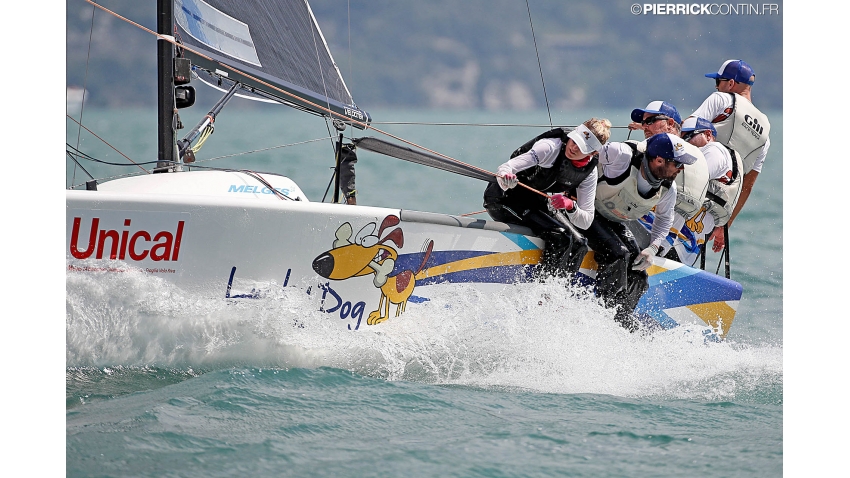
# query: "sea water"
535,380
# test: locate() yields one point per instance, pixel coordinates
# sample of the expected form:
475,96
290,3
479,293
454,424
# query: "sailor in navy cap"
739,125
657,117
725,173
633,179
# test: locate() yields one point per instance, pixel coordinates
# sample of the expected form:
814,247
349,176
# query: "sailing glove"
507,181
644,259
559,201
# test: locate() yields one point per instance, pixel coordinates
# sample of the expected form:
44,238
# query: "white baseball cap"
586,141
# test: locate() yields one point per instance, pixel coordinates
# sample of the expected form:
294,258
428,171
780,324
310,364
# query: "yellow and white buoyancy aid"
746,130
618,199
692,184
722,196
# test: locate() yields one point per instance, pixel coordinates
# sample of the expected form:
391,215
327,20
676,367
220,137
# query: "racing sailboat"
187,224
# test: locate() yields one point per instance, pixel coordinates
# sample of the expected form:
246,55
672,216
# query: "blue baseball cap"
695,123
737,70
657,108
669,146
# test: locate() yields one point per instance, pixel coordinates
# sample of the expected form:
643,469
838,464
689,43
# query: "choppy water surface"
535,380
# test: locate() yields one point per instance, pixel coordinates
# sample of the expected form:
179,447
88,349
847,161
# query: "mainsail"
276,41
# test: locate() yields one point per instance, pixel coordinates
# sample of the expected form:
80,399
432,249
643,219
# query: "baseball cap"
695,123
659,108
586,141
669,146
737,70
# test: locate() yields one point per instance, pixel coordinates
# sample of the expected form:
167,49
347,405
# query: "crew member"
725,170
692,182
559,161
633,179
657,117
739,125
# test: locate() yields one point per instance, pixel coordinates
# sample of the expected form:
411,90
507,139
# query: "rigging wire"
85,83
307,102
106,143
477,124
545,97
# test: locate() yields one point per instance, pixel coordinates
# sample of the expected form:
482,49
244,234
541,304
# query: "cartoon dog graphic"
369,253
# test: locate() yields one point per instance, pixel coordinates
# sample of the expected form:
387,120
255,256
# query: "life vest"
721,197
562,176
691,183
557,133
745,129
618,199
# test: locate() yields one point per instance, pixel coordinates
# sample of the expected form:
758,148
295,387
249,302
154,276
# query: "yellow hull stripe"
490,260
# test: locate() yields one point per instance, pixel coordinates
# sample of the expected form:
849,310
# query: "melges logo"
136,245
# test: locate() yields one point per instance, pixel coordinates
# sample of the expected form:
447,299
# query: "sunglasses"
653,119
718,80
686,136
678,164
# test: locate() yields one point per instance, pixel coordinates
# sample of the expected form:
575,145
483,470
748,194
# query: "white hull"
224,234
231,244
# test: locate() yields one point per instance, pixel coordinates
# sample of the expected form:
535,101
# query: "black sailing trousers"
615,248
564,250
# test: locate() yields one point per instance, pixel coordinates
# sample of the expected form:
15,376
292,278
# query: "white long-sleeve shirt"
614,160
543,154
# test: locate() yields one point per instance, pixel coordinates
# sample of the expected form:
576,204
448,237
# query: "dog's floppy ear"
396,236
389,221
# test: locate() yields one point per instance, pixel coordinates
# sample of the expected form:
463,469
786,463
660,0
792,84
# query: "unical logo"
754,124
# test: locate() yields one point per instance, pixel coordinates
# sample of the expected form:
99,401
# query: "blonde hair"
600,127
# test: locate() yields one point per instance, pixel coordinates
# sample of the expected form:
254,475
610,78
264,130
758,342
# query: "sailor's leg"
564,250
612,256
504,213
637,282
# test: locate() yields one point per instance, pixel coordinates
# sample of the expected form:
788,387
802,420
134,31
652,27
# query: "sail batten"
276,41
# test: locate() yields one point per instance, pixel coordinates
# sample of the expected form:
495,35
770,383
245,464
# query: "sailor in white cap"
657,117
739,125
725,170
633,180
562,162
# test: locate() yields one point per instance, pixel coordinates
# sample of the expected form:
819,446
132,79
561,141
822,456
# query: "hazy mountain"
474,53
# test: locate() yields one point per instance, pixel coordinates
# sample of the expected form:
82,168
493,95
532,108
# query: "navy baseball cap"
669,146
737,70
657,108
695,123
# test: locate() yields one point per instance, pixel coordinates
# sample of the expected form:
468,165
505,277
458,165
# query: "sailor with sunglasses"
739,125
657,117
632,181
726,170
692,183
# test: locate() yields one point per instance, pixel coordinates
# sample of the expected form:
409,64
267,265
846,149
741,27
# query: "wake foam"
540,337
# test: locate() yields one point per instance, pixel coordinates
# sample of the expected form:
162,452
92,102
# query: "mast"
165,86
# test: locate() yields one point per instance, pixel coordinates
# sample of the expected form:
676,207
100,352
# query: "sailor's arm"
615,158
543,154
582,215
663,217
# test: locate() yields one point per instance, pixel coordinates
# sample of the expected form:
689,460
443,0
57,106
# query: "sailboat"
187,225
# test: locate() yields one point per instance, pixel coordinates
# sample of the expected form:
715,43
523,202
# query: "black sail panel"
275,41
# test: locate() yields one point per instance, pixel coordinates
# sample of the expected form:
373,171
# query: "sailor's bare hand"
633,126
719,238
